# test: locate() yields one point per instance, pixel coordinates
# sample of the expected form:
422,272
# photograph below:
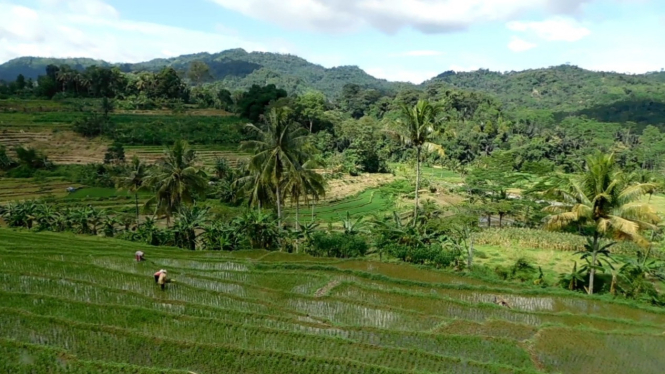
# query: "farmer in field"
160,278
139,256
502,302
157,274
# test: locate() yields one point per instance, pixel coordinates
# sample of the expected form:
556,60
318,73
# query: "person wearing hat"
139,256
157,274
161,280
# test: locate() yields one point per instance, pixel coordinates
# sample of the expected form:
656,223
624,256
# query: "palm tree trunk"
297,211
312,211
279,208
592,272
415,209
470,258
136,200
646,257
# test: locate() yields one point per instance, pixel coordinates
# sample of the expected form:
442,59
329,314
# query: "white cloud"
636,58
520,45
428,16
401,75
555,29
420,53
92,28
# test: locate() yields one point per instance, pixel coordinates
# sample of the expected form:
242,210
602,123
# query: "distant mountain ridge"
234,68
565,89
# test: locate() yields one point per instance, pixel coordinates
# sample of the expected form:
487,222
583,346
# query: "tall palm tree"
176,179
134,182
418,128
607,203
280,149
303,183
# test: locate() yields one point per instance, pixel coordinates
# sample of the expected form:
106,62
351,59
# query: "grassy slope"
257,312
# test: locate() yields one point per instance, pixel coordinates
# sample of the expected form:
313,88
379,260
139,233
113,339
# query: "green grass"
82,302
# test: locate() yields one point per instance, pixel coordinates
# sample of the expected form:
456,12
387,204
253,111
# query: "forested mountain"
565,90
32,67
234,69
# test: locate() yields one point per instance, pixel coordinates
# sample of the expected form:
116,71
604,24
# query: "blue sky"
408,40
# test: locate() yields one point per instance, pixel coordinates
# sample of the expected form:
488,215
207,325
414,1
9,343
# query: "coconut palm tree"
259,191
418,128
604,202
134,182
303,183
176,179
65,77
280,149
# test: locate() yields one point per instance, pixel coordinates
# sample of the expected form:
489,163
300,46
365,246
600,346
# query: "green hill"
235,69
564,90
81,304
605,96
31,67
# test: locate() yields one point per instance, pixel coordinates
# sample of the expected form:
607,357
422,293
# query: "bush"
424,254
94,125
338,245
22,171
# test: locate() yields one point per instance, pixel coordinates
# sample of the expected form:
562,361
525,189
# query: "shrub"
338,245
93,125
433,254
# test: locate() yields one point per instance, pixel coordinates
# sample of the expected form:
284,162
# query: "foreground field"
81,304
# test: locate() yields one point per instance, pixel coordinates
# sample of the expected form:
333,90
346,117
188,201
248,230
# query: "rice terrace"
253,212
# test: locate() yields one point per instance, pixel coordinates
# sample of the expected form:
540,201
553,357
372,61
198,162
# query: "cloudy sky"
408,40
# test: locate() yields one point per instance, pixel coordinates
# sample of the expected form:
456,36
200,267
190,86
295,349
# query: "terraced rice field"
69,148
14,189
368,202
20,189
206,154
81,304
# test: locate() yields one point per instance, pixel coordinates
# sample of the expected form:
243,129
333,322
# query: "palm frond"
635,192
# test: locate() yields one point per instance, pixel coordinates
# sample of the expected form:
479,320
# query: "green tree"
115,154
311,106
135,181
605,204
252,104
280,149
6,162
199,72
168,85
20,82
418,128
176,179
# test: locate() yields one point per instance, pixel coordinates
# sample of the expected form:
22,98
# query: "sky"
403,40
